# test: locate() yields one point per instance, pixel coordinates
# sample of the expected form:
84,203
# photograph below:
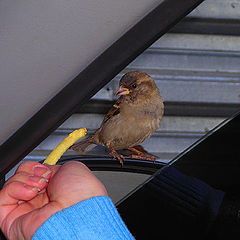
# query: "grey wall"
44,44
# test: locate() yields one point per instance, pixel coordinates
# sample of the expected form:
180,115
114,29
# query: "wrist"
94,218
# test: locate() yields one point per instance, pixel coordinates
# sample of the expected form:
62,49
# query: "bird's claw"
151,158
141,153
115,155
119,157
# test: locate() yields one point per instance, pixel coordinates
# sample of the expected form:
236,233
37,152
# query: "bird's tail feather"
84,145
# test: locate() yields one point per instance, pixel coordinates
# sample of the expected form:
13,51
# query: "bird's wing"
113,111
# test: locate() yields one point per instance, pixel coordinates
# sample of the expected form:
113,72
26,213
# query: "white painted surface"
44,44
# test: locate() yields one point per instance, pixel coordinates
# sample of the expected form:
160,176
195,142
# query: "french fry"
62,147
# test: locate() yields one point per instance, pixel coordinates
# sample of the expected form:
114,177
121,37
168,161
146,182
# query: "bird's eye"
134,85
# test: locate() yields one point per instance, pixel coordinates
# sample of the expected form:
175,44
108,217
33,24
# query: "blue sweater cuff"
94,218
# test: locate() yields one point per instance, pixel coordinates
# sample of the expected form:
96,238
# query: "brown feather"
84,145
113,111
132,119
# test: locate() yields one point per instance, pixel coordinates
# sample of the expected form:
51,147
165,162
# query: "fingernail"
36,179
40,166
43,191
46,173
41,170
42,180
35,189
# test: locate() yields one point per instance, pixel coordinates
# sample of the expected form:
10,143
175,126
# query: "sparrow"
132,119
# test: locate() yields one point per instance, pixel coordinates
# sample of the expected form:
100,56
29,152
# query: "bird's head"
136,85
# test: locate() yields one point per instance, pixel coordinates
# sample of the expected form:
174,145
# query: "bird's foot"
118,156
141,155
152,158
115,155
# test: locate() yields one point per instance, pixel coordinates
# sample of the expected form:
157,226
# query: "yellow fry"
62,147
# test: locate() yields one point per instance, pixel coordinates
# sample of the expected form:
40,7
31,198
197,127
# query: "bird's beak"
122,91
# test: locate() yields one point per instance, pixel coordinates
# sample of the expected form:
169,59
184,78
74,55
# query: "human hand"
38,191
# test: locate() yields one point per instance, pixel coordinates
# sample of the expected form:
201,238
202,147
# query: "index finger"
29,166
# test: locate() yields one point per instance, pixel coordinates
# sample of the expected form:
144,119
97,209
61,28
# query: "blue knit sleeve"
95,218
